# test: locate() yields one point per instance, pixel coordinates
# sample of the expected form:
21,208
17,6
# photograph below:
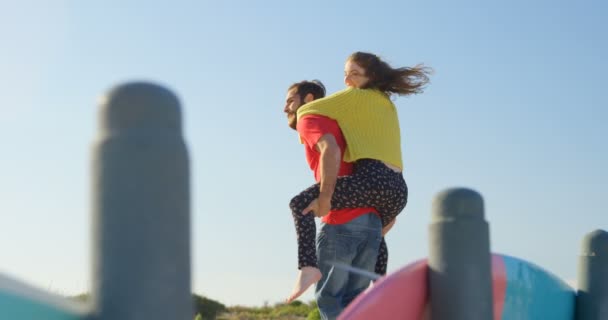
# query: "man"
347,237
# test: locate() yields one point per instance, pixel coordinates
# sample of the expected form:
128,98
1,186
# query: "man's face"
292,103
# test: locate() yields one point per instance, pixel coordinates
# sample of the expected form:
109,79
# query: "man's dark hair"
315,87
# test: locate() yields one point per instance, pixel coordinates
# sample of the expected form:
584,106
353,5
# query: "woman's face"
354,75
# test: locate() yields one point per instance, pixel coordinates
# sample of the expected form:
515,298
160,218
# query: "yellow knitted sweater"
368,119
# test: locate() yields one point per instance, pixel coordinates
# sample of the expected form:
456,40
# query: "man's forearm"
330,165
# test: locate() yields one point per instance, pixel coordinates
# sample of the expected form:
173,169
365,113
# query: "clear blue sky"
516,110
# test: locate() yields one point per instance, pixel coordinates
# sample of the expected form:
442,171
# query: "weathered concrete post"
460,278
592,295
141,207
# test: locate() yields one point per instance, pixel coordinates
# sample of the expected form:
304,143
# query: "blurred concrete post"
460,278
141,207
592,282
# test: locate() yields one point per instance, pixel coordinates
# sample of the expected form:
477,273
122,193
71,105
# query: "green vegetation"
208,309
296,310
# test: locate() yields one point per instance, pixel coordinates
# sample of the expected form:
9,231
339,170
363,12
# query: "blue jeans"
354,243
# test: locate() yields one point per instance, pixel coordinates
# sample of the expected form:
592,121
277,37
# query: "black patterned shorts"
372,184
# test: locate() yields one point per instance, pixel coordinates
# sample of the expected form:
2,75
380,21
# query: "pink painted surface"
400,295
499,285
403,294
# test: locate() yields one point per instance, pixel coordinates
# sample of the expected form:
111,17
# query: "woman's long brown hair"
401,81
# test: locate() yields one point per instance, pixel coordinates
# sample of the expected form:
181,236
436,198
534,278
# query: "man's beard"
292,121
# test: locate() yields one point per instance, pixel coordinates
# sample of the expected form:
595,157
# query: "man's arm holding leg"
329,166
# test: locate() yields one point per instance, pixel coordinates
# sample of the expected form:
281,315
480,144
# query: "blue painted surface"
533,293
17,308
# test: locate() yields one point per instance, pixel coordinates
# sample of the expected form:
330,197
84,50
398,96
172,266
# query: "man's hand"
319,207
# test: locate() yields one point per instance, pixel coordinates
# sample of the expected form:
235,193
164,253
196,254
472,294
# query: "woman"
368,119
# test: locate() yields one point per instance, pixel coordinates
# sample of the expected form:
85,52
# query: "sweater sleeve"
331,106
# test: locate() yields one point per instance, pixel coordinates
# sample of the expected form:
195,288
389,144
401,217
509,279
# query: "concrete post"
141,207
592,295
460,278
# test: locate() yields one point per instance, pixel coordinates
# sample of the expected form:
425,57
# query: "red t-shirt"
311,128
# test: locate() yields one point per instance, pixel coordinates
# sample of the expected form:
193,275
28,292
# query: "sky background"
516,109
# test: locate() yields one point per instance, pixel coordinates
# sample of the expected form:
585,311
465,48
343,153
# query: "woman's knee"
298,204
